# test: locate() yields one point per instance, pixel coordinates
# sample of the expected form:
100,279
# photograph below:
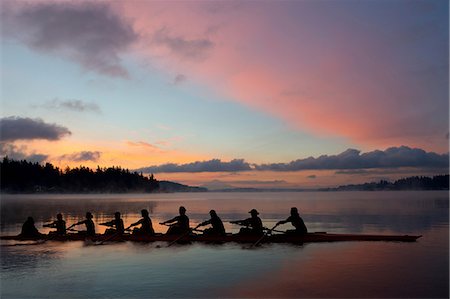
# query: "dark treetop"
23,176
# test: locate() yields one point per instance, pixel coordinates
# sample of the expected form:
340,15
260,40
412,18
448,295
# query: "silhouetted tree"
24,176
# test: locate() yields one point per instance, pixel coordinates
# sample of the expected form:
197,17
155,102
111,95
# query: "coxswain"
253,224
146,224
90,227
28,229
59,224
296,221
217,228
116,225
180,223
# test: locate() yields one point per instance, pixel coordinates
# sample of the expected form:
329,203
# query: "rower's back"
28,228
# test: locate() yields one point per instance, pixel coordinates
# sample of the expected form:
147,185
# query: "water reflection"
355,269
403,212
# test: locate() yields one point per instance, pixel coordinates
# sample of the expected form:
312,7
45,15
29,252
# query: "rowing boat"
236,238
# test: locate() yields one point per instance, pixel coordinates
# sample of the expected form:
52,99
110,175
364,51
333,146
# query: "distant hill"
439,182
166,186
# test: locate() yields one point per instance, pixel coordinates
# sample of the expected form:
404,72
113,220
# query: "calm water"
128,270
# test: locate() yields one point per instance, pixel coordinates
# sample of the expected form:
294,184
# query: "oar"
183,235
112,236
263,236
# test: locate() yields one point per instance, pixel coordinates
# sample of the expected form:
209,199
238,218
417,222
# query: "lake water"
320,270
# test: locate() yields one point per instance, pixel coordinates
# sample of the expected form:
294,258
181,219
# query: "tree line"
27,177
438,182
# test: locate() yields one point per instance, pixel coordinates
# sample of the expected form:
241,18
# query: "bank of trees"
438,182
23,176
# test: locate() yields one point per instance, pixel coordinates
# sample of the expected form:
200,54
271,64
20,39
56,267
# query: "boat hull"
235,238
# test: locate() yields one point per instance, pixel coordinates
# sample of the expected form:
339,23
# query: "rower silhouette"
253,224
59,224
90,227
116,225
217,228
146,225
28,229
181,223
296,221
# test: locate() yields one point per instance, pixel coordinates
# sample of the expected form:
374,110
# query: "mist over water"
128,270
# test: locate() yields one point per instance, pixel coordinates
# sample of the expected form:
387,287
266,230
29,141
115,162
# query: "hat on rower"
254,211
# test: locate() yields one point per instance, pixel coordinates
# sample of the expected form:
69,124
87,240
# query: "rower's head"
89,215
144,213
213,213
117,215
30,220
294,211
182,210
59,216
253,212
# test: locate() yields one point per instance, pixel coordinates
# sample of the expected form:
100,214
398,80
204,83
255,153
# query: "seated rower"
117,223
217,228
253,224
90,227
296,221
59,224
28,229
146,225
182,223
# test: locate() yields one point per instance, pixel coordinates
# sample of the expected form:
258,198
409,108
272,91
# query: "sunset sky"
283,94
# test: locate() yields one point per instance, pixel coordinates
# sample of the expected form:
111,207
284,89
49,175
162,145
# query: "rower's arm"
136,223
52,225
78,223
240,222
109,223
205,223
170,220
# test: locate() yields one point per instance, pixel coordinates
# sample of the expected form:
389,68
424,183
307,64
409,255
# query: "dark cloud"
20,153
89,33
180,78
313,176
19,128
393,157
350,161
74,105
196,49
214,165
82,156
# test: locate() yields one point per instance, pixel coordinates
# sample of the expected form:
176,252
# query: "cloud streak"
20,153
89,33
82,156
193,49
351,159
23,128
73,105
214,165
393,157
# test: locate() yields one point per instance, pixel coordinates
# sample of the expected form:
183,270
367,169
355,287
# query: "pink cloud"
327,68
326,76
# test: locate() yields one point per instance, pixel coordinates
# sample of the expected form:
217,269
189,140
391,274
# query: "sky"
267,94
